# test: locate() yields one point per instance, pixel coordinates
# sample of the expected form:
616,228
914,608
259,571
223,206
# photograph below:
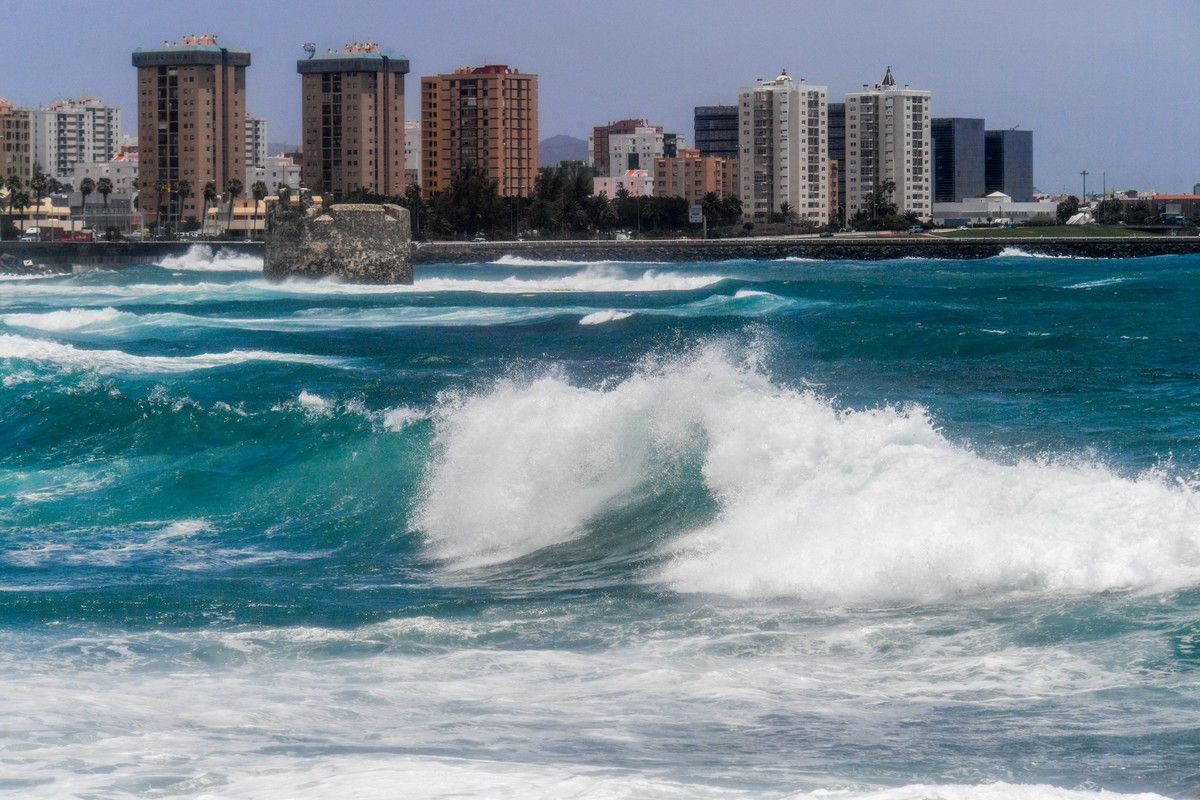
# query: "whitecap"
116,361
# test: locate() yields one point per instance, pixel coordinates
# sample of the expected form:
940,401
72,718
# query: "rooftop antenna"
310,48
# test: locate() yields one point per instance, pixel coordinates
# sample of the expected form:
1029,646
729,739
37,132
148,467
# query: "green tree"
415,204
1109,211
183,192
104,188
1067,209
86,187
259,192
233,187
38,184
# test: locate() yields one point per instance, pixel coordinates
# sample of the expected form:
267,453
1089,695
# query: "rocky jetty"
358,243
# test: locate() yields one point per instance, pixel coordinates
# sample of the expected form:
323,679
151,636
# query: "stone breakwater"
358,243
66,256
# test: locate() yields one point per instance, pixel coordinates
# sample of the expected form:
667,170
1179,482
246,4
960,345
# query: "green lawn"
1039,231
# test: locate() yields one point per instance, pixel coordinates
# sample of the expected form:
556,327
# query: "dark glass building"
837,150
717,131
1008,164
958,159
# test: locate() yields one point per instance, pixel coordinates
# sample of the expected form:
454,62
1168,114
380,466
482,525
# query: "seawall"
67,255
64,256
848,248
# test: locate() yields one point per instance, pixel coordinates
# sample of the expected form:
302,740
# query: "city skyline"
1109,104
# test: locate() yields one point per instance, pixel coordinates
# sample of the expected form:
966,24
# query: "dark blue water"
629,530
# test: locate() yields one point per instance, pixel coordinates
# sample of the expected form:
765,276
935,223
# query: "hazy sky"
1108,86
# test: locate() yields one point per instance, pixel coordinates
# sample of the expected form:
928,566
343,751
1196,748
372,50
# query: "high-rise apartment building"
784,150
888,140
635,150
256,142
599,142
691,176
480,119
1008,164
412,153
353,121
716,131
957,159
16,156
70,132
191,123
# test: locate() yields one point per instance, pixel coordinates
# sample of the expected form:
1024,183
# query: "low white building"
275,170
638,182
121,171
996,207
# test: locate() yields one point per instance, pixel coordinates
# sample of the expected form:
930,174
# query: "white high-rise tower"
784,150
888,139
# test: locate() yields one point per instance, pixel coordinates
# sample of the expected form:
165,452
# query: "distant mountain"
561,148
276,148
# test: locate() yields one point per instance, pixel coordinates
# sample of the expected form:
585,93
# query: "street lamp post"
1084,174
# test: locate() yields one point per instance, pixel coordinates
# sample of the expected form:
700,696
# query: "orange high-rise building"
353,117
191,123
481,119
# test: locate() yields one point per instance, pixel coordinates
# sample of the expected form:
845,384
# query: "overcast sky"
1111,87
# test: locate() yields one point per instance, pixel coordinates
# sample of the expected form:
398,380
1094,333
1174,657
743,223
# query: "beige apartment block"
692,176
16,142
353,120
888,138
191,123
480,119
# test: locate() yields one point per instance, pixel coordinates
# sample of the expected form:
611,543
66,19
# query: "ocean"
903,529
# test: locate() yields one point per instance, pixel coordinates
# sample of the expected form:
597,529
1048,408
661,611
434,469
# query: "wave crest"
834,506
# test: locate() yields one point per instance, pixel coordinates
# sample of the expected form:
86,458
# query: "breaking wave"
201,258
601,317
833,506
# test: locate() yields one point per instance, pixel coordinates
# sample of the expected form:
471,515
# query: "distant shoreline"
65,255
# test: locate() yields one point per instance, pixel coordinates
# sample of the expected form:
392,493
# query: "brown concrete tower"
191,123
353,121
482,119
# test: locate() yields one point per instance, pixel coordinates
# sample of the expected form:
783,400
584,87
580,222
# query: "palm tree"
283,193
210,197
39,183
13,184
164,189
104,188
259,191
86,187
233,187
183,190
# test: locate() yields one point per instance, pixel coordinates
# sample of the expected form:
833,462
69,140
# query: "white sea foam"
601,317
68,319
1017,252
201,258
117,361
1097,283
832,506
399,418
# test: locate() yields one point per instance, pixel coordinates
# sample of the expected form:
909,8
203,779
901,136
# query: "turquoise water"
530,529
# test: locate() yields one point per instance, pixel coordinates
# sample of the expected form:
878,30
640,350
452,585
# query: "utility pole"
1084,174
